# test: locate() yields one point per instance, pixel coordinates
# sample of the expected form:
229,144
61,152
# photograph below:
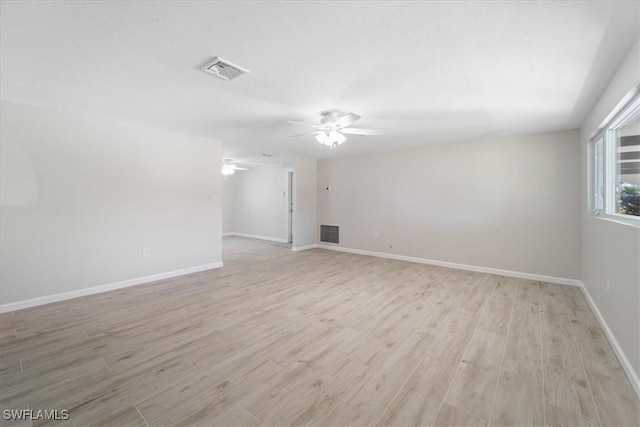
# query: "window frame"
598,174
604,187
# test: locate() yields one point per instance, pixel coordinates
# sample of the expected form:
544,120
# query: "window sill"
619,219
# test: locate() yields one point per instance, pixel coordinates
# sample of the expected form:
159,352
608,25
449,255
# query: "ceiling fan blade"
346,120
363,132
303,124
305,134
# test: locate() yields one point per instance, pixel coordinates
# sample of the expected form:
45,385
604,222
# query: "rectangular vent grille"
223,69
330,233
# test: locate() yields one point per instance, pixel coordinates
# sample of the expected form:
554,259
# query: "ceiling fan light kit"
331,139
228,170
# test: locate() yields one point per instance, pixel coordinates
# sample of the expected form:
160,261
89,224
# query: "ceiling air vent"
223,69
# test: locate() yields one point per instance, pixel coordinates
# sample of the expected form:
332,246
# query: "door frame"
290,207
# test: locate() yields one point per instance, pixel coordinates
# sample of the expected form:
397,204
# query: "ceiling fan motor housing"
330,116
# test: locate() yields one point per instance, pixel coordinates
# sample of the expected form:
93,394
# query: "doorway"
290,206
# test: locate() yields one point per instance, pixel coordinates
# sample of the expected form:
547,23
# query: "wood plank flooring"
317,338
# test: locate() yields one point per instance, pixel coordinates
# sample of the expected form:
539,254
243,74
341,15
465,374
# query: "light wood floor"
318,337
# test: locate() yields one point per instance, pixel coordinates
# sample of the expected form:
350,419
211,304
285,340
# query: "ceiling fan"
228,168
333,125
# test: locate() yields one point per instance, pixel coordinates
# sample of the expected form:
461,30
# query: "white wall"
510,204
611,250
230,191
86,193
305,202
255,202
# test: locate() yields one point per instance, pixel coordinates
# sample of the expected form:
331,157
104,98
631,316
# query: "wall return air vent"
330,233
223,69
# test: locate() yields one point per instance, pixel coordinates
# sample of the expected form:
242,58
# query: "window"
616,164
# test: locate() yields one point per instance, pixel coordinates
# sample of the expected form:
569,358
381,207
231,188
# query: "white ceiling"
424,72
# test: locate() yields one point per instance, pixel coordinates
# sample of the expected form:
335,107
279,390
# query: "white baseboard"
622,358
20,305
490,270
254,236
304,248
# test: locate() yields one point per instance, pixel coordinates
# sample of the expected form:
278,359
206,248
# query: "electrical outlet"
146,252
